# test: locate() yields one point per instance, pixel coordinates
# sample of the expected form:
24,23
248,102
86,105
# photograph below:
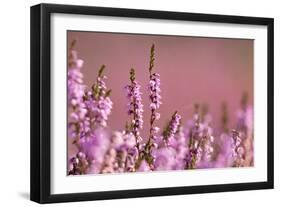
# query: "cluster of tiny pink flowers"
98,101
99,110
75,79
173,126
135,106
154,97
76,88
238,149
154,90
78,164
180,145
121,153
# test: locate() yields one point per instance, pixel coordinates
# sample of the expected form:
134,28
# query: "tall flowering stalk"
95,142
77,109
155,102
135,106
98,101
194,133
154,95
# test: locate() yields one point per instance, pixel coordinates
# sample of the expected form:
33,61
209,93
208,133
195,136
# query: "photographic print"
132,103
146,102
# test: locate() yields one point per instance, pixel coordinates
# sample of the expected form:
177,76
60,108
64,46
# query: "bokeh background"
192,69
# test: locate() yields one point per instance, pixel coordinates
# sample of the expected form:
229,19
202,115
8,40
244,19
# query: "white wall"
14,101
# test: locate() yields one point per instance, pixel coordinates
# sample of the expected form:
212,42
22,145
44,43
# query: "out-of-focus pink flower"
164,158
238,149
144,167
78,164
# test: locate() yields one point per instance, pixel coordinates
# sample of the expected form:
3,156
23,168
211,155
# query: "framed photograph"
132,103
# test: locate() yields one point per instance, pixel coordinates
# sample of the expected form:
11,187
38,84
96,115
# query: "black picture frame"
41,99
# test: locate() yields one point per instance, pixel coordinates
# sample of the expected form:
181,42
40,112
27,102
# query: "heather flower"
75,79
122,153
129,148
225,149
144,167
129,141
155,101
95,146
78,164
154,90
238,149
78,123
200,140
164,158
109,161
98,101
154,96
179,143
172,128
75,85
205,159
135,107
245,128
223,143
99,110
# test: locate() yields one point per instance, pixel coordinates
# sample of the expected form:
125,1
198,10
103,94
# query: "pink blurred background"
192,69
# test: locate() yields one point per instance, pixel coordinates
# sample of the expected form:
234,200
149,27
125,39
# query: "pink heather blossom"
75,79
75,90
144,167
200,141
172,128
99,110
98,101
135,106
154,90
164,158
224,157
78,164
155,102
238,149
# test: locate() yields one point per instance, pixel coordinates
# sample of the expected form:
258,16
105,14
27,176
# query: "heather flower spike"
245,128
200,140
98,101
78,164
155,100
76,89
172,128
238,149
135,106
